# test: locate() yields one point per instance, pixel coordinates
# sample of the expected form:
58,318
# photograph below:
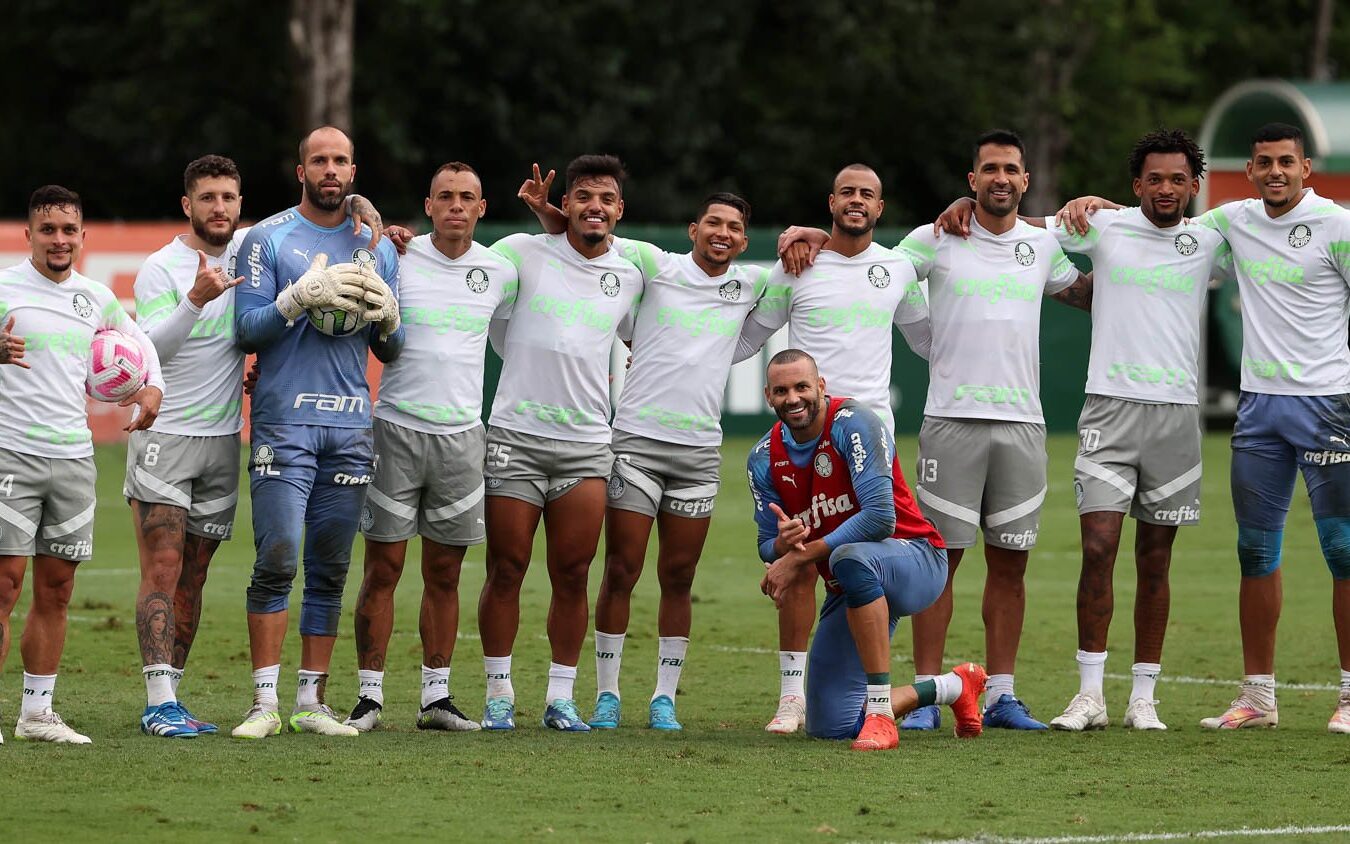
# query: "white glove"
381,306
322,287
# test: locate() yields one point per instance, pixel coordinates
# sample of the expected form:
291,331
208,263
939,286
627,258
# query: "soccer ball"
334,322
116,366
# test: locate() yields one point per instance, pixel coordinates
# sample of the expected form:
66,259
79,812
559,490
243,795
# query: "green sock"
882,679
927,692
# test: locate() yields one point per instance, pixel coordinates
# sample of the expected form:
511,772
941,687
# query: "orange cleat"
966,708
878,733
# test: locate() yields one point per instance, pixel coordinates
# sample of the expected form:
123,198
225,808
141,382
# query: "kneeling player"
836,472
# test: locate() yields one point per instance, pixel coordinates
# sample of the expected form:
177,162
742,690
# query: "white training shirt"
985,296
683,340
203,369
436,384
840,311
556,347
1148,298
43,410
1292,275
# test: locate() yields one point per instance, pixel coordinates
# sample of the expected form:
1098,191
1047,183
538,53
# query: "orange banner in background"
112,255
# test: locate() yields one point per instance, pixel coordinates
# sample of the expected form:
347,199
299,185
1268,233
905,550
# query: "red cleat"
878,733
966,708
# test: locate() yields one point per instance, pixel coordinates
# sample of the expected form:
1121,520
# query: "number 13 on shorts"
928,470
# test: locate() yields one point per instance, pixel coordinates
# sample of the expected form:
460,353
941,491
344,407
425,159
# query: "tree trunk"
1061,45
321,34
1319,62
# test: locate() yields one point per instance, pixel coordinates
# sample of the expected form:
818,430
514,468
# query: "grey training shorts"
198,474
540,469
427,484
652,476
47,506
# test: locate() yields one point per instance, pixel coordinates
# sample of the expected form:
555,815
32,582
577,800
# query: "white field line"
1200,834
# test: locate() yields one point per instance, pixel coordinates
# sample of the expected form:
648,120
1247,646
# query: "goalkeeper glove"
381,306
321,287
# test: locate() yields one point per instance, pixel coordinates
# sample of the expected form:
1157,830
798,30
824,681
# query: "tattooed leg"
375,603
439,622
160,532
187,597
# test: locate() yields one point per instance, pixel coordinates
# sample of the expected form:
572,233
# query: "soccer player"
312,445
840,310
1139,432
50,313
548,439
667,434
830,499
429,441
183,473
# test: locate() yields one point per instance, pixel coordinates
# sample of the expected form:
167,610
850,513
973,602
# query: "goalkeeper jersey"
555,375
305,377
436,385
43,411
683,340
985,297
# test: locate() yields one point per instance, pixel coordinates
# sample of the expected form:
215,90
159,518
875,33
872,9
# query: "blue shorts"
306,479
1277,436
913,575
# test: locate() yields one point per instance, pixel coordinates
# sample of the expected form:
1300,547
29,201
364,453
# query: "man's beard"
200,230
317,198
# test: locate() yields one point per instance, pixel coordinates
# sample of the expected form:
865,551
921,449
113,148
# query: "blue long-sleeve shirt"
307,377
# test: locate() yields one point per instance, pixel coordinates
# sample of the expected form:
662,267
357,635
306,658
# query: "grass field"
723,778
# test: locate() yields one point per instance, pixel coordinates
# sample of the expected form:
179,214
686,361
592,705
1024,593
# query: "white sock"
949,687
1261,687
879,699
996,687
1091,667
370,684
265,686
919,678
1345,683
309,687
158,684
669,664
561,678
1145,679
498,670
608,656
175,677
792,673
37,694
435,685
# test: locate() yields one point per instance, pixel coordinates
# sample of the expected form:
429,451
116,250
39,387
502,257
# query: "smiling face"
796,393
999,179
1277,169
55,235
719,235
456,204
855,203
1165,187
593,207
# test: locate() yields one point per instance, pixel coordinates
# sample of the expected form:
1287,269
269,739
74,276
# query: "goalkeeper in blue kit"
312,449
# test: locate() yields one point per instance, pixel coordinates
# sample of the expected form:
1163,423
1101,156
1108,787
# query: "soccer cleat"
966,707
365,715
923,718
661,714
260,722
790,717
1141,715
499,714
321,720
1084,712
166,721
878,733
562,715
606,714
1244,711
47,726
202,727
1340,719
1009,713
444,715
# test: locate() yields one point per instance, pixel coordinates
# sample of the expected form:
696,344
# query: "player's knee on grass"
1259,551
1334,534
860,582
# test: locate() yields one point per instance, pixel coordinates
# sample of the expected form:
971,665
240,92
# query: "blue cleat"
562,715
1009,713
923,718
166,721
202,727
661,714
606,715
499,714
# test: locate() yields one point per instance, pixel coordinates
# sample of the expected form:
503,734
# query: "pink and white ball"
117,367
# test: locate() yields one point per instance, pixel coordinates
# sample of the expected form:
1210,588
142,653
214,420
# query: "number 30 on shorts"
1089,440
151,454
498,455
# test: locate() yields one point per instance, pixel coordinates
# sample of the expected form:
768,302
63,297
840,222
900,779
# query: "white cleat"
1340,720
1141,715
321,720
1084,712
260,722
444,715
366,715
790,717
1245,711
48,726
